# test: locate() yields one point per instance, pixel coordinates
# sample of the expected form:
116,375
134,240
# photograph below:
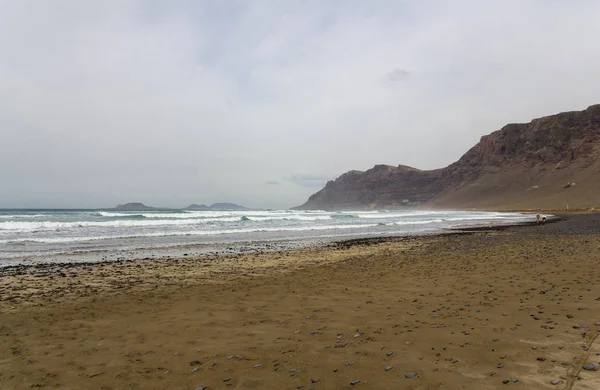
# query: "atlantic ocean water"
42,236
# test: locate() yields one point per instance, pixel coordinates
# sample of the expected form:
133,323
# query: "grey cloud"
272,182
183,102
309,181
397,75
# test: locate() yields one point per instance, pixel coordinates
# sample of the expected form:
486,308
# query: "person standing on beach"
537,219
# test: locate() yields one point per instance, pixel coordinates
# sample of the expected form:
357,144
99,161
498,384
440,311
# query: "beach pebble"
314,380
194,363
591,367
387,368
541,358
196,369
554,381
500,365
390,353
411,375
202,388
565,363
506,381
257,365
354,382
570,316
226,379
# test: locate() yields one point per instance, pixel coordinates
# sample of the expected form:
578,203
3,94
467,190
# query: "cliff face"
380,187
519,166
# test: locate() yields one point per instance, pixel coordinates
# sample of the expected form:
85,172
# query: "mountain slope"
520,166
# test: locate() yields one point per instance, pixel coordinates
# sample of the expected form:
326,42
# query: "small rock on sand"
387,368
554,382
411,375
591,367
354,382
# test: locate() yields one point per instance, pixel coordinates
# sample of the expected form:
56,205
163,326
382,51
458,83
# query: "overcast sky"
259,102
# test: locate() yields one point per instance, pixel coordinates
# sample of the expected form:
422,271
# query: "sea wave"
345,216
48,240
142,221
22,216
422,222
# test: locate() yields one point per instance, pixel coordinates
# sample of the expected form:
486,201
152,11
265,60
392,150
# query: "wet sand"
459,311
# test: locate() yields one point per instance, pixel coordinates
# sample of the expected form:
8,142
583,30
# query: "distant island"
134,206
138,206
227,207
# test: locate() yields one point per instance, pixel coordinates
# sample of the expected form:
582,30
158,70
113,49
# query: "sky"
260,102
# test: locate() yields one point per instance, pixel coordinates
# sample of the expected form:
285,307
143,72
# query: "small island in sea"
138,206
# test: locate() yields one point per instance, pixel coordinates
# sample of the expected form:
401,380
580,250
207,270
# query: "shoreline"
460,310
68,246
234,247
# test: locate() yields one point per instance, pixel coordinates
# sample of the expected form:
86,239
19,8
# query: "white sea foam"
183,233
423,222
43,234
22,216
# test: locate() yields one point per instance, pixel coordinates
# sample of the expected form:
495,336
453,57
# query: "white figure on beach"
540,220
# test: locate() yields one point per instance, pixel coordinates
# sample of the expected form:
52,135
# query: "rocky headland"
551,162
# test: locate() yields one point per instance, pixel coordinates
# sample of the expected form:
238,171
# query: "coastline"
451,307
87,237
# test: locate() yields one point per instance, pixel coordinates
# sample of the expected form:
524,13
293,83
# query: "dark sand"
461,311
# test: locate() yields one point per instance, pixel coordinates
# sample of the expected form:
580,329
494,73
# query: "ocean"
42,236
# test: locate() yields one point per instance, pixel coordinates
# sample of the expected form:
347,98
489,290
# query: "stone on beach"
591,367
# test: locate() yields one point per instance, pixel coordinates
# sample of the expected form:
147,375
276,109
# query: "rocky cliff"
551,162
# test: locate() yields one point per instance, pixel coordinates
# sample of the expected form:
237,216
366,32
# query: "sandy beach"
506,308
